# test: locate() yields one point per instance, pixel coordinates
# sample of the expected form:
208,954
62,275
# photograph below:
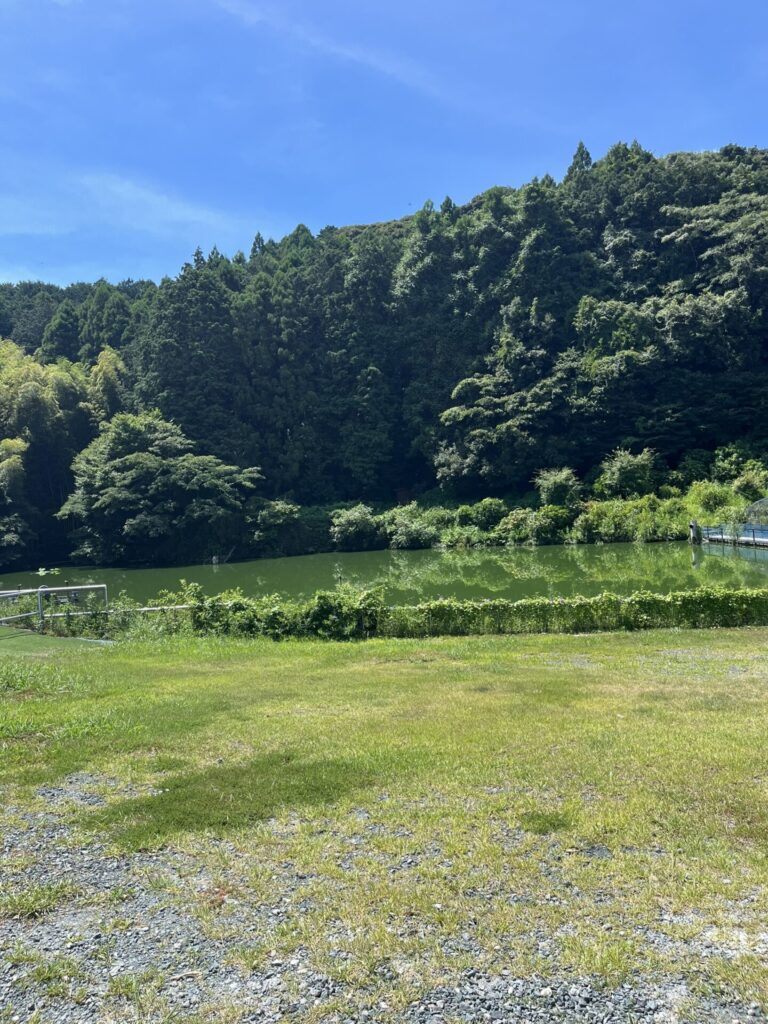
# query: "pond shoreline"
408,577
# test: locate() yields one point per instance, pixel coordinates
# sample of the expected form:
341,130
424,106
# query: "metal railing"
736,533
43,596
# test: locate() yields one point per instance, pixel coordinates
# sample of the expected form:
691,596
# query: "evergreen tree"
61,337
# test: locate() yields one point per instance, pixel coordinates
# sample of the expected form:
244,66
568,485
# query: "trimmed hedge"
691,609
351,614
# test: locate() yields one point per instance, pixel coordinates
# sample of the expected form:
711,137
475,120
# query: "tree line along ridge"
464,348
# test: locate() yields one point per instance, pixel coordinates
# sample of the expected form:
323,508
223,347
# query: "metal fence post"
40,611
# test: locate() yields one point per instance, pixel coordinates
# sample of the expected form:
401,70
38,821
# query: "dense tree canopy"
141,495
624,308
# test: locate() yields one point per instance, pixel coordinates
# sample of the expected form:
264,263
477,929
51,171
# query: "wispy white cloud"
400,69
121,202
63,224
57,203
466,95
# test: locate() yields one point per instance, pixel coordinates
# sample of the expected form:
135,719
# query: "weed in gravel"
56,976
20,954
248,958
35,900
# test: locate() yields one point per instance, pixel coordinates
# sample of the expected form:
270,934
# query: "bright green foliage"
515,528
275,523
467,536
108,384
731,460
409,527
45,419
695,609
546,525
349,613
752,483
644,519
356,529
140,494
549,524
484,515
558,487
15,534
713,502
346,613
624,475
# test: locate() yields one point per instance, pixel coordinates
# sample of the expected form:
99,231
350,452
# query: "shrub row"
693,609
287,529
349,614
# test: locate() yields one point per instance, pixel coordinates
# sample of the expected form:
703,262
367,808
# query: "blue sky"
133,131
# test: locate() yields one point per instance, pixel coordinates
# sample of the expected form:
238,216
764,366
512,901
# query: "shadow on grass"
542,823
228,798
99,727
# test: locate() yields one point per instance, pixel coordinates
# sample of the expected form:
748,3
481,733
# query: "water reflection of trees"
409,576
554,571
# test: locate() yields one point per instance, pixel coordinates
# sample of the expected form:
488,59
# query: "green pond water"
410,576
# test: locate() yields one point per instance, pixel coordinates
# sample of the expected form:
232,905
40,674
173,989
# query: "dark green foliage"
668,331
141,495
190,366
105,320
283,528
694,465
61,338
623,310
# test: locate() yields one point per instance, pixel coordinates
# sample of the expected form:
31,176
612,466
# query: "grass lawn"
392,814
24,641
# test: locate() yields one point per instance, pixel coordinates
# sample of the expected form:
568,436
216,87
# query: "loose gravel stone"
135,922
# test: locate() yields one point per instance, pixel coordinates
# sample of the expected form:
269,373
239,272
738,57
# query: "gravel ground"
120,946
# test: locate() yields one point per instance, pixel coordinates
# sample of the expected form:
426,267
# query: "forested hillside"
466,346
